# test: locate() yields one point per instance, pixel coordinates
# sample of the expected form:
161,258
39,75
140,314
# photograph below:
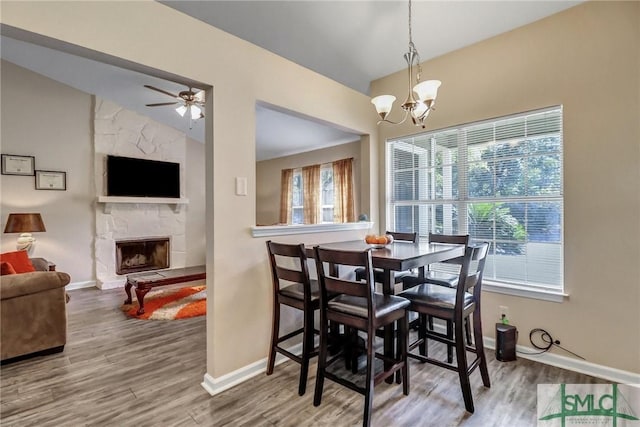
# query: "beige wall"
586,58
268,174
239,300
52,122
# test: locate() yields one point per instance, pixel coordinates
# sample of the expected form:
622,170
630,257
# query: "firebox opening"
142,255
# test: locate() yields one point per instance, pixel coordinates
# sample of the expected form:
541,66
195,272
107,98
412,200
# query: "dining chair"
456,305
378,274
356,305
293,287
431,274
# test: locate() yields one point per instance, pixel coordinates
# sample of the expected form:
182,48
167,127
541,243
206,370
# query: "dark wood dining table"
398,256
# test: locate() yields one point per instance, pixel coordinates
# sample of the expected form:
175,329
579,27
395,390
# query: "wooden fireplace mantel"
109,201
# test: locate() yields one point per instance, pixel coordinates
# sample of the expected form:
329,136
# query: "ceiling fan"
190,101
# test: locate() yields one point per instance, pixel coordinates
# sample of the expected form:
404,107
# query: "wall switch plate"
241,186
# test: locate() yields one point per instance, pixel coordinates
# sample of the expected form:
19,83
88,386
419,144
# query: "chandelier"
417,107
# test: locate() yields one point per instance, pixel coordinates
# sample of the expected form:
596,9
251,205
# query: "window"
326,196
499,181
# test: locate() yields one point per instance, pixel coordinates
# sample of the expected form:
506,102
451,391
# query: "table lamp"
25,224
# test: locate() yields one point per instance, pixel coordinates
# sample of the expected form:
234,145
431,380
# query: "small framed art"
18,165
51,180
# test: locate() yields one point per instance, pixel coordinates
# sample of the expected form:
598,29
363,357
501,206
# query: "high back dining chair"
442,278
292,287
377,273
456,305
356,305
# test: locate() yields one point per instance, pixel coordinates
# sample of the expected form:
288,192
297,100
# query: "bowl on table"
378,241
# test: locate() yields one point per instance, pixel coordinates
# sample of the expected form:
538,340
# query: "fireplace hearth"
133,255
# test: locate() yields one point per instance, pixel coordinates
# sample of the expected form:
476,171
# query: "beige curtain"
311,185
286,190
343,210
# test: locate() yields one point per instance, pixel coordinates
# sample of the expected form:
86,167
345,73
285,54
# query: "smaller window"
326,199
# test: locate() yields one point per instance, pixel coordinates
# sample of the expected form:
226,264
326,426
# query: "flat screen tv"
130,177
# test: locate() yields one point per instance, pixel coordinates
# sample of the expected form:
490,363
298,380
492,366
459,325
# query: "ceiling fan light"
383,104
427,90
181,110
196,112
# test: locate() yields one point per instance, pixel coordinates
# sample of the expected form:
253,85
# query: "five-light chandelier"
426,92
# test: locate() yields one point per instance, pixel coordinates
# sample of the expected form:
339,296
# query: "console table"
144,282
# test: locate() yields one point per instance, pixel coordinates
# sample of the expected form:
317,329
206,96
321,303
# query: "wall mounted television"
131,177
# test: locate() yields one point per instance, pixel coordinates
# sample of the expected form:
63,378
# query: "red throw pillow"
19,260
6,268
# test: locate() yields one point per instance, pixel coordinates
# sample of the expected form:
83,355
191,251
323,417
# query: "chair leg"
422,334
450,336
461,359
477,332
322,362
404,349
307,346
368,396
275,331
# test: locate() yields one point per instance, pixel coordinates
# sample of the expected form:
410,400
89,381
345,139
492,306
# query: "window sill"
524,292
283,230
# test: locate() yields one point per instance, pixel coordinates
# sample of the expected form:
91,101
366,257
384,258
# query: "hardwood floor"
117,371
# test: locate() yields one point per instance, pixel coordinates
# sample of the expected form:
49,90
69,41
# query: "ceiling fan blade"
161,103
161,91
199,97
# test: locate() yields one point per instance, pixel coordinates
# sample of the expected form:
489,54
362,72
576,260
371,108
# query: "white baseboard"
218,385
111,284
225,382
572,364
81,285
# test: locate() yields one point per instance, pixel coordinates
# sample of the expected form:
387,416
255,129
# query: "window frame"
458,198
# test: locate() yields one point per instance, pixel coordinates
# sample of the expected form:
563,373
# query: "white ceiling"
352,42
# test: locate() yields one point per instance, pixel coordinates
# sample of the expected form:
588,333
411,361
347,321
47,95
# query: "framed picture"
51,180
18,165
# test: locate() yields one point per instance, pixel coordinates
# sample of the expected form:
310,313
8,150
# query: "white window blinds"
499,180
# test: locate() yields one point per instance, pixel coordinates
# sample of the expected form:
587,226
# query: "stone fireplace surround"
122,132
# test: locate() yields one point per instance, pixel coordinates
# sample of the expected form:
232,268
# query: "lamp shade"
24,223
383,104
181,110
427,90
195,112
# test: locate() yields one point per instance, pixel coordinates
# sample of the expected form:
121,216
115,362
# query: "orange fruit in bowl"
381,240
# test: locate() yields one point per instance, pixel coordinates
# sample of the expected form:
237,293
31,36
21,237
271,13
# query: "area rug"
172,304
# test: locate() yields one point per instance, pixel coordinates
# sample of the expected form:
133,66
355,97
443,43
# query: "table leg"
127,289
140,293
387,289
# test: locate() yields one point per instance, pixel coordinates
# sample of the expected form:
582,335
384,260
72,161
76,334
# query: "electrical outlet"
503,312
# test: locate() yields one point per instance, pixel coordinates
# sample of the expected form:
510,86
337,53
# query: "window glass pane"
327,214
403,185
403,219
297,189
297,216
543,175
326,178
402,157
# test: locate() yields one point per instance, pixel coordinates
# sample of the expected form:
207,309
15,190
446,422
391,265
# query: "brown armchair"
33,314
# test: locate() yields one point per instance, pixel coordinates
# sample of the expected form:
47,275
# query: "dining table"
397,256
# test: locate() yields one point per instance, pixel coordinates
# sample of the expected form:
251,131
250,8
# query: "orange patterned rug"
173,304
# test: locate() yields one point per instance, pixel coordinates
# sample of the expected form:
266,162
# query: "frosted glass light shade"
420,109
427,90
195,112
383,103
181,110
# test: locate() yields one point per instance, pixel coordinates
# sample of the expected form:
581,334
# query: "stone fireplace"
142,254
133,223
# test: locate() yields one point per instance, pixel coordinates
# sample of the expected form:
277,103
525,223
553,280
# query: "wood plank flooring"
117,371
